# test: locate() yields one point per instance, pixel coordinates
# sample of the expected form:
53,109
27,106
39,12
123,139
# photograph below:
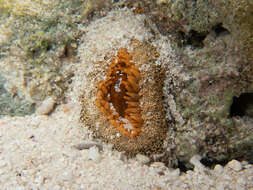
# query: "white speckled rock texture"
38,152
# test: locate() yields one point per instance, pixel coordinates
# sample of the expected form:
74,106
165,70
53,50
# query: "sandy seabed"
55,152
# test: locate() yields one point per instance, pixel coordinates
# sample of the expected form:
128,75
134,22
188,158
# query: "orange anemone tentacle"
118,97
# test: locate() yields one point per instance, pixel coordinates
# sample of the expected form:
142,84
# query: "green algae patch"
12,105
38,41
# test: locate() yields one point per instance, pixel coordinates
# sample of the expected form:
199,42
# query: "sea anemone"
119,83
118,97
128,109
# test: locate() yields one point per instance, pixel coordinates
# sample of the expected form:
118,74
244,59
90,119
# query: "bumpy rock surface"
213,86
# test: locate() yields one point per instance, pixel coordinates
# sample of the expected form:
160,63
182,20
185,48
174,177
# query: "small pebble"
142,159
218,168
244,163
122,156
2,172
195,160
235,165
241,181
2,163
94,154
250,178
174,173
46,107
220,187
88,145
20,188
66,176
248,166
159,2
158,165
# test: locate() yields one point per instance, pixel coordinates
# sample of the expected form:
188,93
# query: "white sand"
36,152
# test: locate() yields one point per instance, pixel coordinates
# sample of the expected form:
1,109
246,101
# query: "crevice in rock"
184,166
242,105
211,163
220,30
193,38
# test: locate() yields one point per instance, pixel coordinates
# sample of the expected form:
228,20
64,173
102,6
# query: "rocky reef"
214,41
37,45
